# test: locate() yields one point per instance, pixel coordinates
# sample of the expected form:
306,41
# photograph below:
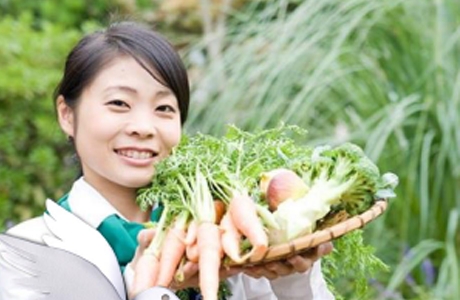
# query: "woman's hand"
133,285
295,264
190,269
271,270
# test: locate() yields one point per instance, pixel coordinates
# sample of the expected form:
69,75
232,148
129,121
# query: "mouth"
136,153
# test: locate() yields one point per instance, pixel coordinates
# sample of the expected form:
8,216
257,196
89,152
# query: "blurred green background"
382,74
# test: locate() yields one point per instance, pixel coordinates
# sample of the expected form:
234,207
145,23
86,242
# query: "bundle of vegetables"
231,198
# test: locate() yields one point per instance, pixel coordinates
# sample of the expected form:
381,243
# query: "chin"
137,183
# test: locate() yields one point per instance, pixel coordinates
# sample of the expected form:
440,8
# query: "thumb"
144,238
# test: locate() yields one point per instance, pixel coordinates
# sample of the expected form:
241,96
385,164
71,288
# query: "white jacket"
89,206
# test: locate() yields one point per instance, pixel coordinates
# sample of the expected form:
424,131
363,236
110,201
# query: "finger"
281,269
325,248
252,272
228,272
270,275
190,269
258,272
316,253
301,264
145,237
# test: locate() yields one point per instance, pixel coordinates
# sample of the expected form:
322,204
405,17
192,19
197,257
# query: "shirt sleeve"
306,286
244,287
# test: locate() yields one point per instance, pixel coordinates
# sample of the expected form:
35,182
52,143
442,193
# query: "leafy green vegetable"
234,161
340,179
352,264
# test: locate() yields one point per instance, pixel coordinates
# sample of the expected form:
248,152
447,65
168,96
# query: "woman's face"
125,122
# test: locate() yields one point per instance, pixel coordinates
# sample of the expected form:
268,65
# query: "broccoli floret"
360,196
346,176
354,167
351,151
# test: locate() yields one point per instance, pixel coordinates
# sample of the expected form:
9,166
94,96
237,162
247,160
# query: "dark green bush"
34,155
67,13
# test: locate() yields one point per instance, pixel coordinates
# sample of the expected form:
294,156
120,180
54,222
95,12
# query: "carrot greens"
291,188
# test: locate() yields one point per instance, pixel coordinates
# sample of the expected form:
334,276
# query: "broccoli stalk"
342,178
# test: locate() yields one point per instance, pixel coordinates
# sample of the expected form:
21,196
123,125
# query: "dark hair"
151,50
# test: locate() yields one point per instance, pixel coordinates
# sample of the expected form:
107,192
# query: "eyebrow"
161,93
122,88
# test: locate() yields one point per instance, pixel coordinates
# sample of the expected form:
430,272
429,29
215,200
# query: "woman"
122,102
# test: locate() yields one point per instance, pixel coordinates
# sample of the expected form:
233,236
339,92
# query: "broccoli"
340,178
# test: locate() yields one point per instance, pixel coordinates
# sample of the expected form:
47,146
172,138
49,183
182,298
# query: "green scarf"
119,233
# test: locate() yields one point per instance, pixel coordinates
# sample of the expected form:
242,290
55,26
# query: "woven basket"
304,243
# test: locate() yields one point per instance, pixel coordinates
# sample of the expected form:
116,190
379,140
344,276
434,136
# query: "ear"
65,116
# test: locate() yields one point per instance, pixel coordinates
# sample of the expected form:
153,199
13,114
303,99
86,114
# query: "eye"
119,103
166,108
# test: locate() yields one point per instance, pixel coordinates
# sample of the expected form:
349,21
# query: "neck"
123,199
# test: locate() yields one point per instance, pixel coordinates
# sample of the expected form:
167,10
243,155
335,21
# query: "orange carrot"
201,204
210,250
230,238
191,252
244,215
179,275
190,238
219,206
173,249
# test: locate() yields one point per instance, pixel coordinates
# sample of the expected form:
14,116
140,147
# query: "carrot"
210,250
191,252
200,202
173,249
244,215
179,275
190,238
219,206
230,238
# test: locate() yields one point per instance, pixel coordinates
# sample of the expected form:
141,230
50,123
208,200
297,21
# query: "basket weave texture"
306,242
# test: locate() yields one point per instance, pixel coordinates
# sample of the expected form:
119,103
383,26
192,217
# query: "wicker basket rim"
306,242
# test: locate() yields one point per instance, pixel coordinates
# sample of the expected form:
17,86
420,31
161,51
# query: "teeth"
136,154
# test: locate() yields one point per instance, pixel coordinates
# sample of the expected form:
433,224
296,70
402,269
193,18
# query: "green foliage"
33,147
351,266
66,13
236,161
231,163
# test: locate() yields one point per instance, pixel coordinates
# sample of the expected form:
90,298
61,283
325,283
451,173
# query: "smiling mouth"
136,154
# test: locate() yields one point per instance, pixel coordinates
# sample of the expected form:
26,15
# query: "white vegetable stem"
298,217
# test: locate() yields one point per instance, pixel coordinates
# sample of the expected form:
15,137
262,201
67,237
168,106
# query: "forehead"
125,70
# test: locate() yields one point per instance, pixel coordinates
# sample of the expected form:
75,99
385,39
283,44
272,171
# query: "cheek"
174,136
92,130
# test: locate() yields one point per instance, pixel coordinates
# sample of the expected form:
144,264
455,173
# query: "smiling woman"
125,121
122,101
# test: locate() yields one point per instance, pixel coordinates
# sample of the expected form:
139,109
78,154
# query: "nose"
141,124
